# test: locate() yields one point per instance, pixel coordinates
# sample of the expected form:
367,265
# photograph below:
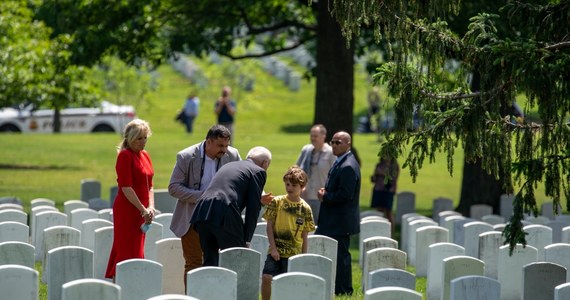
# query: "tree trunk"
334,100
478,187
56,120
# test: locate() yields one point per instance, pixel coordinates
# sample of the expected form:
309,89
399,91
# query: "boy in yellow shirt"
289,221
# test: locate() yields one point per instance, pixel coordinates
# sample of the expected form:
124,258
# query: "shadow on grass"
296,128
36,167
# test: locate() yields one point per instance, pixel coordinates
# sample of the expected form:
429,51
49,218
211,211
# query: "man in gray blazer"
194,169
217,217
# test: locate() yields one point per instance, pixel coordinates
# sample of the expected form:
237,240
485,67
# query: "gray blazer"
184,183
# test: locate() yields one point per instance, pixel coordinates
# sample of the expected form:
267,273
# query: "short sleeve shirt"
290,219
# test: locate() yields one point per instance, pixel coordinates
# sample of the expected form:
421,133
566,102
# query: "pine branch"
558,46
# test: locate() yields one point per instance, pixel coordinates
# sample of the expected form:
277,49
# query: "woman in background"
134,204
385,189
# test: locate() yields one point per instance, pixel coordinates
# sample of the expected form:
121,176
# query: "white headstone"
90,289
547,210
405,203
376,242
371,213
477,211
70,205
261,229
558,254
13,231
169,254
372,228
471,232
540,220
163,201
98,204
90,188
78,215
493,219
565,235
88,228
458,266
45,220
509,271
19,282
506,205
245,262
141,279
165,219
325,246
381,258
103,241
562,292
13,215
317,265
391,277
412,230
17,253
448,223
405,228
153,235
58,236
201,280
539,236
441,204
475,287
33,213
106,214
446,213
540,279
68,263
489,243
436,254
41,202
260,243
556,227
385,293
459,231
172,297
425,237
297,285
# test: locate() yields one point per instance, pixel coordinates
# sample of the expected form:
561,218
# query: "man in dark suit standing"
217,216
339,215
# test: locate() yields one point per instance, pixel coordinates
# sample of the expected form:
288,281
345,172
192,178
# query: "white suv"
107,117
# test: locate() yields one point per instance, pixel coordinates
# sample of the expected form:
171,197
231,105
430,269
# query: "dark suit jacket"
235,186
339,214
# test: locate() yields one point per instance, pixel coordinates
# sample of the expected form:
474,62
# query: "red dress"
134,170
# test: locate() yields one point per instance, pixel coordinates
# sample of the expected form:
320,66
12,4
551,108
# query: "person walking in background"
385,179
225,110
316,159
289,221
339,216
191,109
134,203
217,215
194,169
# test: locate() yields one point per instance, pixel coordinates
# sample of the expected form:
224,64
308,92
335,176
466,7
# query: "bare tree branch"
284,24
268,53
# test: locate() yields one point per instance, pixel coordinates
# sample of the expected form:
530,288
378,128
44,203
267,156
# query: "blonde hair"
296,175
133,130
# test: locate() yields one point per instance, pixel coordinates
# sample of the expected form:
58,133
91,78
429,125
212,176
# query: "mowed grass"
52,166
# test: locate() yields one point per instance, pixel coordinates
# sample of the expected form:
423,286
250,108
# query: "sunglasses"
336,142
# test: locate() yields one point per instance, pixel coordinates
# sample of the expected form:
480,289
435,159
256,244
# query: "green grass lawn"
52,166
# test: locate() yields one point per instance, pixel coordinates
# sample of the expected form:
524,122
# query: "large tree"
152,30
464,88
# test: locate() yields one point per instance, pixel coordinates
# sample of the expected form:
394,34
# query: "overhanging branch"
268,53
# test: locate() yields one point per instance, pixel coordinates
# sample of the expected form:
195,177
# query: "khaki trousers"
192,251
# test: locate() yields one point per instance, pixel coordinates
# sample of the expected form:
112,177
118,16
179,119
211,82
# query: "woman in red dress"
134,204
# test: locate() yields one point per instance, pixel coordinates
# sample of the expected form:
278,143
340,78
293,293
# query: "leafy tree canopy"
464,86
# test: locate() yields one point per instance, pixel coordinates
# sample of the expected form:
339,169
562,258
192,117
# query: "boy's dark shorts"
273,267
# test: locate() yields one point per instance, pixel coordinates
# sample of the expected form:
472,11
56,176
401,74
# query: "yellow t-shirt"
290,219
